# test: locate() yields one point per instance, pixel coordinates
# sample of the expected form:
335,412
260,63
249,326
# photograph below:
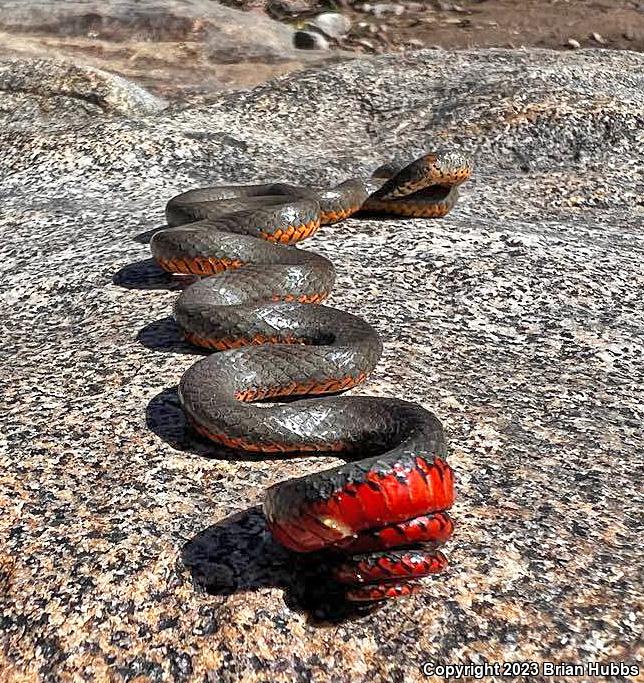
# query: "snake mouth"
433,193
428,196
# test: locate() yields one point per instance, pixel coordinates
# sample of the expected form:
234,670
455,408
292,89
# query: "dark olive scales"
259,305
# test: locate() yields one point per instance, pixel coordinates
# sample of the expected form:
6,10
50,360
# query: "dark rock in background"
178,48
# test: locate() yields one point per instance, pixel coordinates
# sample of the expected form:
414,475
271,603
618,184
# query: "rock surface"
39,91
132,551
175,47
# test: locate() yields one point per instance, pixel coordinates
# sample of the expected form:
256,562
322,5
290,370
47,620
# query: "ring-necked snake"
384,510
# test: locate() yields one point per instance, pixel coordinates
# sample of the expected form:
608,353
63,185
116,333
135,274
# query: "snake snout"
451,168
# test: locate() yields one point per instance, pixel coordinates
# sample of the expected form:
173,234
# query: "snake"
283,359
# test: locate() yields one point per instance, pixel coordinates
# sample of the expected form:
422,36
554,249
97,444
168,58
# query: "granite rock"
175,47
157,20
42,92
134,551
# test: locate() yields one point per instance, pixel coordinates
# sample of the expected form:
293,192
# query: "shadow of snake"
380,517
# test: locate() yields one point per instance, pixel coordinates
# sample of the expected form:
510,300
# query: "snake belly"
382,514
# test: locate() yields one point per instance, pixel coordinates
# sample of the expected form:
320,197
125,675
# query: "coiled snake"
384,510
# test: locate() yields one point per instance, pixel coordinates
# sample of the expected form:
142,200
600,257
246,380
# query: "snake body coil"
258,303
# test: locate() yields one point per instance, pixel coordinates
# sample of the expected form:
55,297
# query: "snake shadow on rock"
165,335
238,554
147,274
145,236
165,417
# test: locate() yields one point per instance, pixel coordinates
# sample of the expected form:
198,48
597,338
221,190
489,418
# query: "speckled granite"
177,48
132,551
46,91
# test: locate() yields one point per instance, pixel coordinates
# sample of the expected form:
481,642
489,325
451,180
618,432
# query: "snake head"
444,169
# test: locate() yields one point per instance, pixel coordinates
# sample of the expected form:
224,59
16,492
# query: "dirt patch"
386,26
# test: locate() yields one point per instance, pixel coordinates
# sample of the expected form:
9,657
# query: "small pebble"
332,24
574,44
598,38
366,43
381,8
